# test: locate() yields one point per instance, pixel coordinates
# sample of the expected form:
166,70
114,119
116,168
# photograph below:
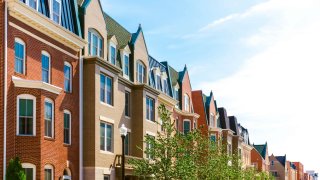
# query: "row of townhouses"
70,76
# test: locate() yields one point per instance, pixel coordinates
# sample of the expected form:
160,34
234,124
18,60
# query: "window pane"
126,65
56,11
109,137
102,136
29,108
100,47
19,57
109,90
33,3
22,107
67,78
89,42
45,68
127,104
102,88
186,127
66,125
113,55
29,173
94,45
48,174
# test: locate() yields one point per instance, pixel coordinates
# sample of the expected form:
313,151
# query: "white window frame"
20,41
154,113
51,10
37,6
186,120
70,66
124,66
26,96
49,166
186,105
70,138
49,70
105,137
29,165
94,32
52,121
139,63
105,101
115,56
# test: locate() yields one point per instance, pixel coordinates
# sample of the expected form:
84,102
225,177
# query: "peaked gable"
139,36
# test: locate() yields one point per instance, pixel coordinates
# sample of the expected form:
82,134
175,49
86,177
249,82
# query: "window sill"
49,138
152,122
25,135
105,104
127,117
106,152
66,145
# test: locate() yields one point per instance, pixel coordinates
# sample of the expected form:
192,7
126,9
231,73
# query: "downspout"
5,90
81,116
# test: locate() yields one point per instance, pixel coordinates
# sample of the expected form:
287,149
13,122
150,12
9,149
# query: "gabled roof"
136,35
262,149
171,76
182,73
281,159
174,75
85,3
223,117
244,131
234,125
153,63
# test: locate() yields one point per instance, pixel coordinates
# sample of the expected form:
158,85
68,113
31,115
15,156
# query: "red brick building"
40,84
300,171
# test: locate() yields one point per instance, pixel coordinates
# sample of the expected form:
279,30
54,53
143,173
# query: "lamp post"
123,132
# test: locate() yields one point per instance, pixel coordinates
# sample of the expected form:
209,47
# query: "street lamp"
123,132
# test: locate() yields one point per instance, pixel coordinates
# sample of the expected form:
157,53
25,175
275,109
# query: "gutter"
5,90
81,116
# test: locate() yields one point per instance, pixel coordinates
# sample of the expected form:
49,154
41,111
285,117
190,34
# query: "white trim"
5,89
105,137
24,83
105,119
123,65
151,133
20,41
26,96
52,120
127,89
29,165
186,120
104,71
93,31
65,111
112,44
66,63
49,70
42,40
51,10
49,166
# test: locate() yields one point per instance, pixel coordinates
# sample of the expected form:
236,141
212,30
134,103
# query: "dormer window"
158,79
95,43
165,86
126,65
186,103
113,54
31,3
55,11
176,94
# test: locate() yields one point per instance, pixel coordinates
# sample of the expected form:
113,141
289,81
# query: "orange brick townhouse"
40,87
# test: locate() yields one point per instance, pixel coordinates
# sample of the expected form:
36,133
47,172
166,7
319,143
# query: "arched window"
46,66
95,45
48,172
19,56
29,170
26,115
141,70
48,118
67,77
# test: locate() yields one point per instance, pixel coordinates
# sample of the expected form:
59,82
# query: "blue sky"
260,59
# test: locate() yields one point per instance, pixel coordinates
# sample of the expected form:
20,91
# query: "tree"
15,170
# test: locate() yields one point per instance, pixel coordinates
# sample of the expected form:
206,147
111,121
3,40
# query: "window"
56,11
186,126
127,104
149,149
127,144
48,118
26,110
45,63
66,174
48,172
126,66
177,124
113,54
95,45
150,108
29,170
140,72
106,177
176,94
105,137
213,138
67,77
158,82
106,89
19,56
272,163
66,127
211,120
31,3
165,86
186,103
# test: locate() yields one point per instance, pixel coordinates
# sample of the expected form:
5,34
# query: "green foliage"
189,156
15,170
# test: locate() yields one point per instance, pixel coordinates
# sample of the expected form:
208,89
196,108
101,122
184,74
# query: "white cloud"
277,91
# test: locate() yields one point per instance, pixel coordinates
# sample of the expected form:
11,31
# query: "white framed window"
29,170
95,43
211,120
149,148
48,118
186,126
66,127
46,66
48,172
176,94
158,82
56,11
165,86
67,77
186,103
150,113
19,56
32,3
140,72
106,89
126,66
113,54
26,115
106,136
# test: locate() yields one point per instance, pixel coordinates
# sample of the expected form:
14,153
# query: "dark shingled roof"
223,117
234,125
122,35
262,149
282,160
174,76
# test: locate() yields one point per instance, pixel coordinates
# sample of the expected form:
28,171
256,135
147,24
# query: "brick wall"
199,108
37,149
2,11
